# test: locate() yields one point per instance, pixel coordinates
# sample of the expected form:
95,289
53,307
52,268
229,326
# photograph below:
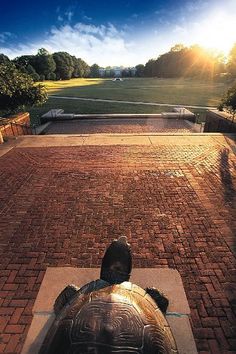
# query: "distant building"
133,71
116,71
101,72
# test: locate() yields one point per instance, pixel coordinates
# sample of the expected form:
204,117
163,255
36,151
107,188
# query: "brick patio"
175,199
122,125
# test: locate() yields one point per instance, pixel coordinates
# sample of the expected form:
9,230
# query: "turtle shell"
120,318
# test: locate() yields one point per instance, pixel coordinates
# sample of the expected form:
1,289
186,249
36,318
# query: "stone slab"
53,113
42,127
116,140
37,332
182,333
165,279
50,140
228,140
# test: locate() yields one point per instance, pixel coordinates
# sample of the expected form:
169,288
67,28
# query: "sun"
217,32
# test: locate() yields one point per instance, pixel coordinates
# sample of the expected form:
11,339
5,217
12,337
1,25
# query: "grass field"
169,91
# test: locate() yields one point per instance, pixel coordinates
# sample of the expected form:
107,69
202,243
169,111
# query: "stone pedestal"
167,280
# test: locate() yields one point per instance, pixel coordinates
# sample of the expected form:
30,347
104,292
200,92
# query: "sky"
115,32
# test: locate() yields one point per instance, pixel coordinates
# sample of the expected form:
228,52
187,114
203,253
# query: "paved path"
130,102
123,125
64,198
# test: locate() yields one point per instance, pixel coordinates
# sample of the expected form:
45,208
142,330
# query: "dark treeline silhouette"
192,61
46,66
179,61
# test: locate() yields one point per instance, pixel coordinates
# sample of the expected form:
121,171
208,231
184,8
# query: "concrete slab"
50,140
37,332
40,129
175,139
116,140
227,140
53,113
168,280
165,279
183,335
8,145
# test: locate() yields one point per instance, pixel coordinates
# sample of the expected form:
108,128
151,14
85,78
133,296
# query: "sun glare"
217,32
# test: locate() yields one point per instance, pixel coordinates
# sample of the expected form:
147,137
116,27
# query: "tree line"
194,61
179,61
46,66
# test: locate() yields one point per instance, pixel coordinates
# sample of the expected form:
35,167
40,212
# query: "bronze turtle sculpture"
110,315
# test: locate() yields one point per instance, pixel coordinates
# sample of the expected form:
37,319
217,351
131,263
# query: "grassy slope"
174,91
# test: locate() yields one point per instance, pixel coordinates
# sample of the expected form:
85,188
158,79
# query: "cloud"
103,44
5,36
66,15
87,18
191,6
160,11
69,14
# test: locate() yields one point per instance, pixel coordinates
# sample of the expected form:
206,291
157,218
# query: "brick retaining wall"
217,121
18,125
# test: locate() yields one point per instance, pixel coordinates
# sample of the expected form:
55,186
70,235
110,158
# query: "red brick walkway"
123,125
61,206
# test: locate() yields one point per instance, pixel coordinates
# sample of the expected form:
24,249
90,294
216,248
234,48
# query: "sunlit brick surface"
62,206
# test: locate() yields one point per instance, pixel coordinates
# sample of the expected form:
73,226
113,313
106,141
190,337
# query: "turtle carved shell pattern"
120,318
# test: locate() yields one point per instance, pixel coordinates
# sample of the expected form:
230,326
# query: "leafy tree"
229,101
4,59
41,77
44,63
84,68
150,68
140,70
231,66
43,51
17,90
177,47
182,61
23,61
94,70
30,71
76,68
64,65
52,76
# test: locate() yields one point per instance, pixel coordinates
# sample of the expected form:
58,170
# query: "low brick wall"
18,125
219,122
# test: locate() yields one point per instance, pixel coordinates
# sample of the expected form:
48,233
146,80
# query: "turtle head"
117,262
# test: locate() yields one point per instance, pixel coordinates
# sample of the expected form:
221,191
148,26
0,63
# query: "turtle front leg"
160,298
64,298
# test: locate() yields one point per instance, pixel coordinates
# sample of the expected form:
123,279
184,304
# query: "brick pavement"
123,125
61,206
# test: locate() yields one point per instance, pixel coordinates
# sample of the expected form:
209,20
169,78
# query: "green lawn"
169,91
177,91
